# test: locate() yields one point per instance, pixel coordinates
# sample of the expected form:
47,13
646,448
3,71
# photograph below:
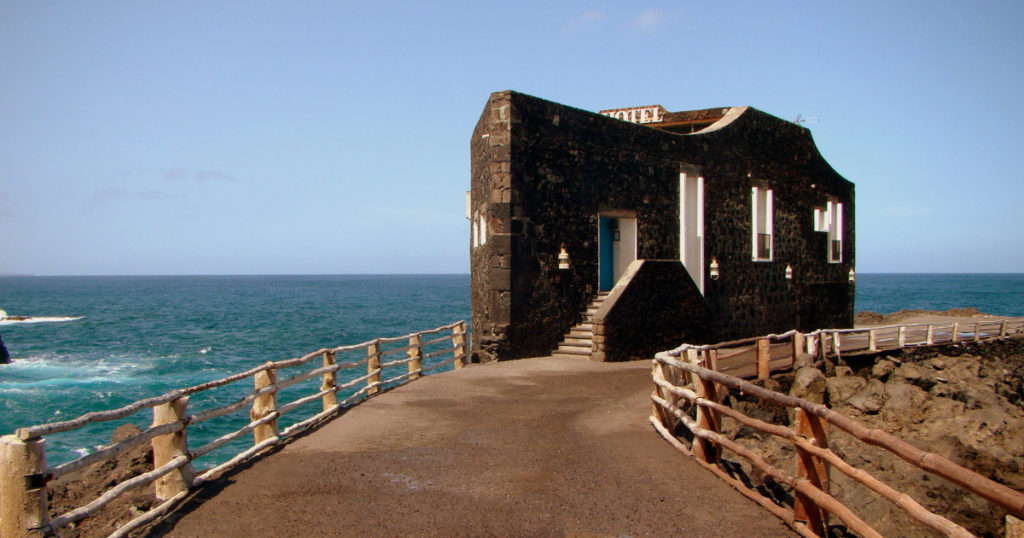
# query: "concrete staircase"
580,339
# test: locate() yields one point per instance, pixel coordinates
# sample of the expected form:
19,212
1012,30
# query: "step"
572,350
577,341
580,333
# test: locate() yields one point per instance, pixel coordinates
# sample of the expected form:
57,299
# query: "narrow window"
483,230
761,237
821,219
475,233
835,231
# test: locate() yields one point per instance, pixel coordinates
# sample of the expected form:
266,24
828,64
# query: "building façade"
695,226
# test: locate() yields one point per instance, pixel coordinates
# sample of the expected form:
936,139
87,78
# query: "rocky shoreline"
963,401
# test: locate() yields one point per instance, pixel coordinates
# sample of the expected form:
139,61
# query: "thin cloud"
648,20
200,176
109,194
104,196
158,195
215,175
590,18
176,173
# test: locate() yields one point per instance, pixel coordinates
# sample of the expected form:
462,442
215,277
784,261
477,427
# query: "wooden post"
459,343
930,337
264,405
977,332
1014,527
416,354
1002,329
329,381
814,470
956,332
798,345
373,367
763,350
169,446
901,337
872,340
706,418
836,344
23,505
711,359
667,373
812,345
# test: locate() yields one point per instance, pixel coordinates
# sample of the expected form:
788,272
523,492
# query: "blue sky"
333,137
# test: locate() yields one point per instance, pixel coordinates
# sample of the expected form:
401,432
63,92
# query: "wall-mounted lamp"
789,272
714,269
853,276
563,258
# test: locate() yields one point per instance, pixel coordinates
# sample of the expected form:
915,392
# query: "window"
475,233
830,220
835,232
483,229
820,219
761,236
479,228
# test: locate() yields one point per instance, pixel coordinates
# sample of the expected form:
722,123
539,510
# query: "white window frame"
483,228
834,214
761,217
474,232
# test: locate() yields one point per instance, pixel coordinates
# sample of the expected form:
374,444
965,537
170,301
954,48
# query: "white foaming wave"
50,369
86,382
21,320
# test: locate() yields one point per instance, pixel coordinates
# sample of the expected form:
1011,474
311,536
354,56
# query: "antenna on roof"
800,119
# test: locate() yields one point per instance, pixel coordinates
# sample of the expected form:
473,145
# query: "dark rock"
912,373
871,399
810,384
903,403
882,369
5,357
841,389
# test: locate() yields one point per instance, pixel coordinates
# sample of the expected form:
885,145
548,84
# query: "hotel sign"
637,114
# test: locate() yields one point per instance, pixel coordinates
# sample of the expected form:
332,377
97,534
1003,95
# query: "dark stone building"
692,226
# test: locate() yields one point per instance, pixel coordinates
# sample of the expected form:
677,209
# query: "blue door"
607,256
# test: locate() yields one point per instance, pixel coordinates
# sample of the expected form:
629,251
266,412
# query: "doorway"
617,248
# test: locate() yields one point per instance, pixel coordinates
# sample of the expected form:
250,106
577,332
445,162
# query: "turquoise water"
143,336
1001,294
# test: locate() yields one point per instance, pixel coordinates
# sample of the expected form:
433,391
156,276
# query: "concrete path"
539,447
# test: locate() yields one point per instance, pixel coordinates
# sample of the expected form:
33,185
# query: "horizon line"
38,275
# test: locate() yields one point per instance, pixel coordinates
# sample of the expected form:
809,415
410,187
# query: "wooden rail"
759,356
691,383
24,472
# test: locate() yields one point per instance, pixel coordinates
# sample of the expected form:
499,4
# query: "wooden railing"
690,389
24,473
758,357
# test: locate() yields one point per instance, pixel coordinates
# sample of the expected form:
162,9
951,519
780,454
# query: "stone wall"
543,172
655,306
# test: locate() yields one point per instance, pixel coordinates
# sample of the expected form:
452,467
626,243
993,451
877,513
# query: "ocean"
142,336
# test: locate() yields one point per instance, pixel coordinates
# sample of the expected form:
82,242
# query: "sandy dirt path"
537,447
